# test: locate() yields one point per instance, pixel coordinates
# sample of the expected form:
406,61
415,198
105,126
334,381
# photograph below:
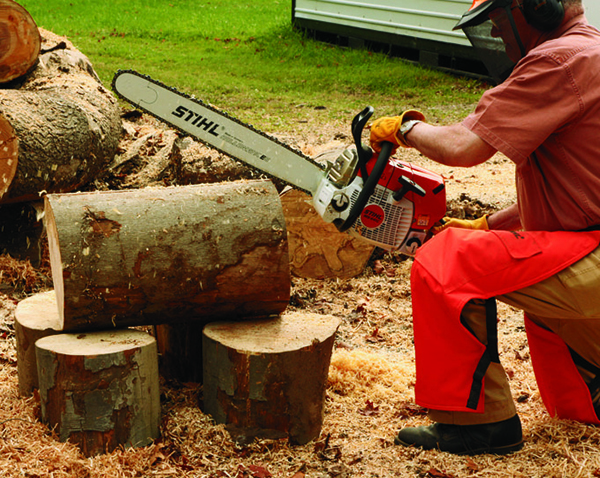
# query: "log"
20,39
35,317
267,378
317,249
100,390
167,255
64,124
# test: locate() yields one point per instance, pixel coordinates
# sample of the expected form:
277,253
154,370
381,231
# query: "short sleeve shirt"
546,118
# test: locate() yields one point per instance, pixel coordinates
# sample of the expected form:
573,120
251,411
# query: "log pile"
59,127
176,257
61,122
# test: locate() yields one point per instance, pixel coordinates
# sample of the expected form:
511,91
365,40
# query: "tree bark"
100,390
267,378
35,317
317,249
63,123
20,40
166,255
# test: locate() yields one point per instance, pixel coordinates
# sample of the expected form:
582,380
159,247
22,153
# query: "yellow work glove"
479,223
387,128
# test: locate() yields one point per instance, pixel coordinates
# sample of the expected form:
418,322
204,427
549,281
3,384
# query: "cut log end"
20,39
55,261
317,249
9,154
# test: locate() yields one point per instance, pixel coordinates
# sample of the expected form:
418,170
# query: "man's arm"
452,145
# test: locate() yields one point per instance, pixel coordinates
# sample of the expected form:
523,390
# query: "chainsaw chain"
219,112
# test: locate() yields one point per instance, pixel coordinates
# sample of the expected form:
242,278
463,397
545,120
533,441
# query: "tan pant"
567,303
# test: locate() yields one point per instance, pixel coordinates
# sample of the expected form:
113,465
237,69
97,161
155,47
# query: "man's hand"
479,223
388,129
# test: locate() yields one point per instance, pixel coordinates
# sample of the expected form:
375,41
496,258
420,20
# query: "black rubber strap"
489,355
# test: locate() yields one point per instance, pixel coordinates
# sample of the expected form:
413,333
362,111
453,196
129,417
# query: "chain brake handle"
364,155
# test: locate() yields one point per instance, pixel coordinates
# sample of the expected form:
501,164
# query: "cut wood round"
35,317
67,124
267,378
100,390
9,154
20,39
168,255
317,249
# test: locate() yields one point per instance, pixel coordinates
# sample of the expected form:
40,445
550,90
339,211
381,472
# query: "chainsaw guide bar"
217,129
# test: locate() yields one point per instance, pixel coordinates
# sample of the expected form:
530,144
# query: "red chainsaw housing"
427,209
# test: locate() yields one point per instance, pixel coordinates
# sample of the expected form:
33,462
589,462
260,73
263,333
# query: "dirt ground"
369,395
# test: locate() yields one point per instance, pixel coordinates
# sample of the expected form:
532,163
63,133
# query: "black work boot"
498,438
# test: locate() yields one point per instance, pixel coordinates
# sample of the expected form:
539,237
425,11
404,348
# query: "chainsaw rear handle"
364,152
367,190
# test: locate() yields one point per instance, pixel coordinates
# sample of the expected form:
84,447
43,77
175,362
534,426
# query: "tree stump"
267,378
168,255
317,249
35,317
20,39
100,390
63,124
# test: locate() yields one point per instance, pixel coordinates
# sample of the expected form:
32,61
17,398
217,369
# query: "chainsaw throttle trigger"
408,186
364,152
368,188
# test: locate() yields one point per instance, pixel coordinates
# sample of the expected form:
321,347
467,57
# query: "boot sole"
500,450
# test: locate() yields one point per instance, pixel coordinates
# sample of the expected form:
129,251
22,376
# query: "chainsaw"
389,203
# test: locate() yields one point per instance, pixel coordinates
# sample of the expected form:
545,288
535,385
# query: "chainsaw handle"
364,152
369,187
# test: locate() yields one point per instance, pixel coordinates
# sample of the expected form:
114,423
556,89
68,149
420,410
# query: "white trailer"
592,12
419,30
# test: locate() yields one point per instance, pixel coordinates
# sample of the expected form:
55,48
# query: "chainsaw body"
390,203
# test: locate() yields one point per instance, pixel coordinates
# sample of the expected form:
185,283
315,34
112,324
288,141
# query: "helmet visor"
491,50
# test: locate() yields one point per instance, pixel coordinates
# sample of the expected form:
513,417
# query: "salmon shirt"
546,118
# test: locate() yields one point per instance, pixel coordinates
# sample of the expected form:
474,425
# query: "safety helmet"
545,15
477,26
479,11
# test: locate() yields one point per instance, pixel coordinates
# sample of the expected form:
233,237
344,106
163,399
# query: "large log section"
100,390
164,255
35,317
20,39
267,378
63,124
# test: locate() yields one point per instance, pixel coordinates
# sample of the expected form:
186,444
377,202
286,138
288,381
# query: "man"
545,116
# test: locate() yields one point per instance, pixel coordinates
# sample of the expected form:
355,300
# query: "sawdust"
370,391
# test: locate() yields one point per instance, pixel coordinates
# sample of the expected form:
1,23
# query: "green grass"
245,57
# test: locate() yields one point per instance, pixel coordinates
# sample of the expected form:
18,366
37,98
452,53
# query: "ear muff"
545,15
